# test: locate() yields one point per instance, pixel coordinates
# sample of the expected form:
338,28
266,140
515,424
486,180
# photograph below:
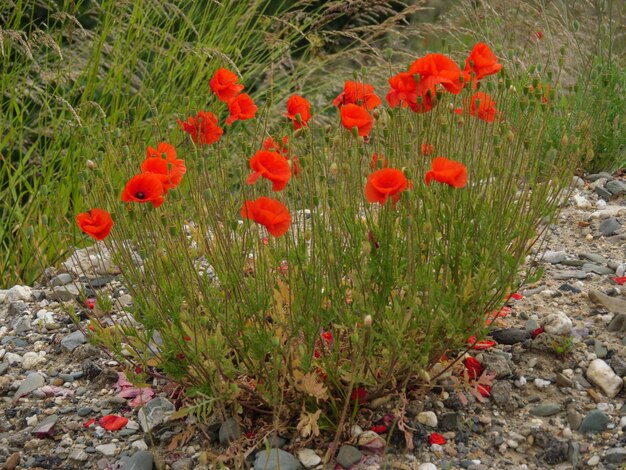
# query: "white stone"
601,204
309,458
600,374
540,383
610,211
356,430
427,418
32,420
578,182
32,360
621,270
139,445
554,257
18,292
427,466
107,449
593,461
582,202
557,324
12,358
521,382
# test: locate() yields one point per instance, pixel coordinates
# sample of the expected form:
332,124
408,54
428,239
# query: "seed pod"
367,321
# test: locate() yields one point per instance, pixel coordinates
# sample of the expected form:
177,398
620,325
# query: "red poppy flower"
241,108
272,144
474,368
145,187
202,128
483,106
448,172
403,92
112,422
96,223
358,93
224,85
353,115
385,183
169,169
272,166
270,213
297,105
435,69
480,63
427,149
378,158
358,394
436,438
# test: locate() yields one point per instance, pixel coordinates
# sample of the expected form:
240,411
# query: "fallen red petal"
620,280
380,429
89,423
436,438
112,422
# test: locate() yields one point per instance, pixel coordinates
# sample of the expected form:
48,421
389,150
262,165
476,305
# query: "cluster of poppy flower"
415,89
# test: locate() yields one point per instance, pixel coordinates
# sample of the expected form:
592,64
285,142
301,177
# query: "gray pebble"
609,226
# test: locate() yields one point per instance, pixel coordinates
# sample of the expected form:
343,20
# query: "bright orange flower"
358,93
378,158
483,106
169,169
241,107
448,172
270,213
385,183
224,85
145,187
202,128
435,69
480,63
272,144
353,115
427,149
403,92
296,104
96,223
272,166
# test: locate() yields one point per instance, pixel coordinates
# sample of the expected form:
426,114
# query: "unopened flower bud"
333,169
126,150
117,133
299,133
367,321
564,140
376,114
355,132
91,164
510,136
307,235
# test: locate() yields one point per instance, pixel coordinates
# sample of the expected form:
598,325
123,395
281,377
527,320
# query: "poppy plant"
378,158
202,128
297,105
403,92
241,108
436,69
224,85
96,223
169,169
272,166
145,187
272,144
427,149
483,106
353,115
270,213
480,63
448,172
385,183
358,93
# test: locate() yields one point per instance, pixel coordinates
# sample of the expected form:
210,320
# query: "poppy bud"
126,150
44,219
376,114
354,338
333,169
576,25
564,140
30,231
510,136
82,190
299,132
355,132
298,118
307,235
117,133
91,164
424,375
367,321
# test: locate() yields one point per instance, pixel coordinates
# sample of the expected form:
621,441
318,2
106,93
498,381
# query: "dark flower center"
140,195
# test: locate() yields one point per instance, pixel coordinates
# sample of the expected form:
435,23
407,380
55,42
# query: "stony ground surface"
558,399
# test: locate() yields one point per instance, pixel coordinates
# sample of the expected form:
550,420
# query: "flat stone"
451,422
30,383
107,449
596,176
555,451
618,324
594,422
142,460
617,455
73,340
18,308
603,193
615,187
612,304
18,292
566,274
600,374
182,464
593,257
427,418
574,418
21,325
229,431
61,280
78,455
501,391
617,364
510,335
557,324
597,269
600,349
576,263
309,458
276,459
569,288
46,427
609,226
155,412
347,456
546,409
65,293
554,257
4,366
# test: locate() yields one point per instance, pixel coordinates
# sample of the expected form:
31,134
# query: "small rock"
615,187
617,324
276,459
73,340
582,202
598,259
46,427
229,431
564,275
142,460
617,364
30,383
563,381
617,455
21,325
371,441
155,412
597,176
554,257
61,280
451,422
609,226
12,462
510,336
18,292
78,454
600,349
603,193
427,418
594,268
546,409
600,374
594,422
31,359
501,391
574,418
497,364
65,293
569,288
107,449
593,461
308,458
347,456
182,464
557,324
556,451
427,466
